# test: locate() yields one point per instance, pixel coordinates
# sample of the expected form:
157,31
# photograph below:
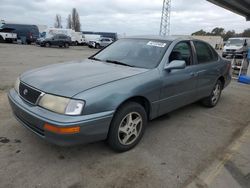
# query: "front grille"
29,125
230,50
28,93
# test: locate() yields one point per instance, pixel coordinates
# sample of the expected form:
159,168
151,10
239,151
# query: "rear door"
54,40
208,68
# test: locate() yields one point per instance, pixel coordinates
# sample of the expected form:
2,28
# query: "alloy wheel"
216,93
130,128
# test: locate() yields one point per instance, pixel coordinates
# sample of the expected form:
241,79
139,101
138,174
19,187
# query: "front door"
178,85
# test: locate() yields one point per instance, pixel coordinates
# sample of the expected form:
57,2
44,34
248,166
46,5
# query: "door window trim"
191,50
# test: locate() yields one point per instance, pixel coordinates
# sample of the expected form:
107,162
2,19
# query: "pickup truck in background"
7,35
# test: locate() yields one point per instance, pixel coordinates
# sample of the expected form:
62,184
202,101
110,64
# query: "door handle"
193,74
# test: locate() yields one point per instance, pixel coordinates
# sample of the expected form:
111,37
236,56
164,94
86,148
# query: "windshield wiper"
118,63
94,58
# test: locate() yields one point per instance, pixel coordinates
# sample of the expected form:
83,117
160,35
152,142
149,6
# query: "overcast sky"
132,17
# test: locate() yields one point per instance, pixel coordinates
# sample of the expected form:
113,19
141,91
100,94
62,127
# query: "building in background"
102,34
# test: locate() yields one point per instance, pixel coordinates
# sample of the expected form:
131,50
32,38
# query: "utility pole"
165,18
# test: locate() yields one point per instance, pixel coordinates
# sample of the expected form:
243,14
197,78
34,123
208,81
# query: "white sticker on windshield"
157,44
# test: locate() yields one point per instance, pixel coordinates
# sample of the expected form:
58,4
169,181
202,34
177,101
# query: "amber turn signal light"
61,130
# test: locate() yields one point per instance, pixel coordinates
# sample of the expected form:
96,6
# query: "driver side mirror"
175,64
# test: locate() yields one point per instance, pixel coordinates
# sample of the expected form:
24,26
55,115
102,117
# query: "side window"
62,37
204,52
182,51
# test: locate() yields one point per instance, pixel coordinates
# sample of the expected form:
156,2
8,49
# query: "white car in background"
236,46
100,42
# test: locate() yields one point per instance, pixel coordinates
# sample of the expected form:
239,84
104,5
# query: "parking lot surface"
174,150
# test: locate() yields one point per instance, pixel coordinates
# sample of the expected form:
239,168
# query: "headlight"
16,86
61,105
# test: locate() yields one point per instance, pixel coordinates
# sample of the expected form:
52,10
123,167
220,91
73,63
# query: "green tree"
218,31
246,33
200,32
69,22
58,21
76,25
229,34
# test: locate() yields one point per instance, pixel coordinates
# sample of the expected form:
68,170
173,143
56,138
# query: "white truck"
236,46
6,34
77,38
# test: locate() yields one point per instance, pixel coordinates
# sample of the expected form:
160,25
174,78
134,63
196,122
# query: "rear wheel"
214,97
47,44
127,127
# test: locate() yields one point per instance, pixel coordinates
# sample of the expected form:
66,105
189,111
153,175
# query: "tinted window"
143,53
62,37
215,54
204,53
182,51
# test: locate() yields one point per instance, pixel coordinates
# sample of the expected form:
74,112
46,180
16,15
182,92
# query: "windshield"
236,42
142,53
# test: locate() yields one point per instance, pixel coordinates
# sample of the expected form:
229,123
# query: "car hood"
69,79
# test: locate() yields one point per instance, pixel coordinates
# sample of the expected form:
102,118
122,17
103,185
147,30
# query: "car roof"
166,38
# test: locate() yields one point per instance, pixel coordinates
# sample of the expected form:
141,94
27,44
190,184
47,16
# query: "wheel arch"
143,101
222,79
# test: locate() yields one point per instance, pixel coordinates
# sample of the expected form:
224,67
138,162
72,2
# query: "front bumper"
232,53
93,127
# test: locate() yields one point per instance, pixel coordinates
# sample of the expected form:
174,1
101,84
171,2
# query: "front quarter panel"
108,97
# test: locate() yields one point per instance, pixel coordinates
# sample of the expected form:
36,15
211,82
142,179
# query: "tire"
66,45
97,46
2,40
124,134
214,97
47,44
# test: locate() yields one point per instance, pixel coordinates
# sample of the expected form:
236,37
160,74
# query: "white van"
236,46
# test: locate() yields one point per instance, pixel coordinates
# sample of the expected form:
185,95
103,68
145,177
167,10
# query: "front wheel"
66,45
97,46
214,97
127,127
